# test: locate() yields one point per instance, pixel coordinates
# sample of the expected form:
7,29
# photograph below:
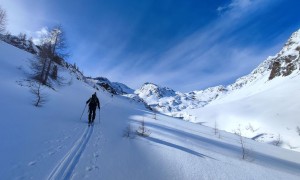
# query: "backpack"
93,101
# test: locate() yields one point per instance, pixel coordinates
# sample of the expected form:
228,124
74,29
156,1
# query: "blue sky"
184,45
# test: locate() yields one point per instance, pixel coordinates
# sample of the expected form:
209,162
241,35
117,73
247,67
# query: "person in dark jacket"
93,103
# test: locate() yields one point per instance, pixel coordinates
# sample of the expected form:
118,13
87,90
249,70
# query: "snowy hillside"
52,142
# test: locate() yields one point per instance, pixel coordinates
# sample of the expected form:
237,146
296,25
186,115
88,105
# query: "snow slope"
270,107
52,142
265,102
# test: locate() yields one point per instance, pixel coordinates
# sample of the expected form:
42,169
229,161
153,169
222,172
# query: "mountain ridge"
283,64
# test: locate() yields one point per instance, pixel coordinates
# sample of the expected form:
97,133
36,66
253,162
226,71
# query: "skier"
93,103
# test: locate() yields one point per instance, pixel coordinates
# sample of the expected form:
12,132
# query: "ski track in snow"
65,167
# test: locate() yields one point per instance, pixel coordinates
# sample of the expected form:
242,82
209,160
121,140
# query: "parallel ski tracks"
65,167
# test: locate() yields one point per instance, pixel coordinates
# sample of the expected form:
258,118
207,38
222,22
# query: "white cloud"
235,4
38,35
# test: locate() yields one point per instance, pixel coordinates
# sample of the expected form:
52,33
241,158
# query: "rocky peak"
282,64
151,89
112,87
292,43
287,60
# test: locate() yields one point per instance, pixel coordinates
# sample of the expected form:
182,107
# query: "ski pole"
99,115
83,112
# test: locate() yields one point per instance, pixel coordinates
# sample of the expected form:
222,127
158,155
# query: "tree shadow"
197,138
159,141
261,158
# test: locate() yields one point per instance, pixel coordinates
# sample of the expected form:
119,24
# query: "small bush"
143,131
128,133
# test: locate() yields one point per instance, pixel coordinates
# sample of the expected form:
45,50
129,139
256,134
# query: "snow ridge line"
65,167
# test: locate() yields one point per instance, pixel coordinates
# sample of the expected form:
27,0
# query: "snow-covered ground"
264,103
51,142
267,108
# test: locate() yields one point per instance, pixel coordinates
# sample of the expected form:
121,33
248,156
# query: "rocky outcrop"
287,60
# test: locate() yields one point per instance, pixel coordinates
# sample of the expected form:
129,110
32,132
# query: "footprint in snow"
32,163
51,153
89,168
96,155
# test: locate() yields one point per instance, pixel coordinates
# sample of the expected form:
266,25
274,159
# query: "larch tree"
3,20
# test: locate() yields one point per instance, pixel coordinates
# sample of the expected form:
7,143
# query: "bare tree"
216,128
39,64
54,75
278,141
143,131
57,45
128,132
245,152
51,54
3,20
40,98
155,117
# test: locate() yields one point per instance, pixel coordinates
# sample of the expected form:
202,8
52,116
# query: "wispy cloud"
235,4
210,56
115,45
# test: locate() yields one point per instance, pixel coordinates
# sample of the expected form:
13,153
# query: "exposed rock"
275,70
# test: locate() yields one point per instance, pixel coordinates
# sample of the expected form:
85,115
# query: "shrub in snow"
291,146
278,141
216,128
250,127
128,132
155,117
143,131
245,152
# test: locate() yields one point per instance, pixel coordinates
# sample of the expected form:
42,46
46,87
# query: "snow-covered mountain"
167,101
53,142
112,87
264,103
277,78
282,64
170,102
